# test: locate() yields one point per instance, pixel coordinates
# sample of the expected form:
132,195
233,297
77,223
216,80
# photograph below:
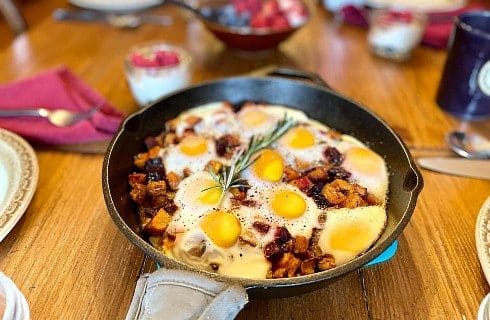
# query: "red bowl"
250,39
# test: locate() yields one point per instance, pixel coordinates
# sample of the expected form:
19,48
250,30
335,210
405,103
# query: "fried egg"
286,206
349,232
214,245
367,169
197,195
192,152
217,118
267,168
302,145
257,120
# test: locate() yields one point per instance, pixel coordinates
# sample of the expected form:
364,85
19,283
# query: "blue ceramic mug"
464,90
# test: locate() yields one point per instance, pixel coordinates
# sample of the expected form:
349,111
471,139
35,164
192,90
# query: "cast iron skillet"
319,103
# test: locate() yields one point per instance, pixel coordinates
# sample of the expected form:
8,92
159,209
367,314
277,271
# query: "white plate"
16,304
116,5
419,5
19,172
482,236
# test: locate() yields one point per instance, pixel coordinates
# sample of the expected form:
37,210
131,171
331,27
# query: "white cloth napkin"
178,295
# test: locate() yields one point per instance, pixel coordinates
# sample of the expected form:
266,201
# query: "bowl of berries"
254,25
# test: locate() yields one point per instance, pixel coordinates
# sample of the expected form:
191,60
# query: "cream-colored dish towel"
178,295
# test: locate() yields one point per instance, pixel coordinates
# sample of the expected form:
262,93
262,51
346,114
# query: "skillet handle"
298,74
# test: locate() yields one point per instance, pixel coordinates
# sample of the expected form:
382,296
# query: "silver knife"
479,169
127,20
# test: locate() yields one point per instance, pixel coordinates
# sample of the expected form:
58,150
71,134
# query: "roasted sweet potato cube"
279,273
318,174
137,178
154,152
307,266
332,194
138,193
173,180
372,199
140,160
354,200
293,266
291,174
159,223
213,166
326,262
300,245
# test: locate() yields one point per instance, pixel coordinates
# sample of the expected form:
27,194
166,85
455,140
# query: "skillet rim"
248,283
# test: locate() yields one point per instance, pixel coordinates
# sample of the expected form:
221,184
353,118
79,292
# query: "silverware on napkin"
126,20
57,117
479,169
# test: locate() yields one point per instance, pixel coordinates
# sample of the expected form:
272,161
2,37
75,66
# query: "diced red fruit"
270,8
161,58
259,21
140,61
280,23
167,58
304,184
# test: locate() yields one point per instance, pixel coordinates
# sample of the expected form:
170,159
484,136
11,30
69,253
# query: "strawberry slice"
161,58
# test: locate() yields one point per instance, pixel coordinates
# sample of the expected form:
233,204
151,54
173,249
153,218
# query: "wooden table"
71,262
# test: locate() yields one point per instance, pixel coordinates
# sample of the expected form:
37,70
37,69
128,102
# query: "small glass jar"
394,34
149,77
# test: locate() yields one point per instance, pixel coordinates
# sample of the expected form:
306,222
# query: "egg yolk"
350,237
193,145
254,118
300,138
364,160
269,166
223,228
210,194
288,204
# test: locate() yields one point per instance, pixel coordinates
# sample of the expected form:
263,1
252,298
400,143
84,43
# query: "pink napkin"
436,33
58,89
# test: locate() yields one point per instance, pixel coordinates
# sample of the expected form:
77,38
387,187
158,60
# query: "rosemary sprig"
229,175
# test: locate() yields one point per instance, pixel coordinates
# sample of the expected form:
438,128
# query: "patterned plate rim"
24,191
482,237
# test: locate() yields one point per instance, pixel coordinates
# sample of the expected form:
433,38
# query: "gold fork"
57,117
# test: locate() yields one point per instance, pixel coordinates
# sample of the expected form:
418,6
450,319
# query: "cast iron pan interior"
319,103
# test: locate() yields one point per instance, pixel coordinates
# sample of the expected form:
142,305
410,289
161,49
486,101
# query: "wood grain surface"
71,262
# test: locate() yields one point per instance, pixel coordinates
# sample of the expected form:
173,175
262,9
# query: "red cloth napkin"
58,89
436,33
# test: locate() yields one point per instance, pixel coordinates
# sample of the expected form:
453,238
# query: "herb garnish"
229,175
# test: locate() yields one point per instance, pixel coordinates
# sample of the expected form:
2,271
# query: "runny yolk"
269,166
288,204
253,118
364,160
350,237
193,145
300,138
210,194
223,228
